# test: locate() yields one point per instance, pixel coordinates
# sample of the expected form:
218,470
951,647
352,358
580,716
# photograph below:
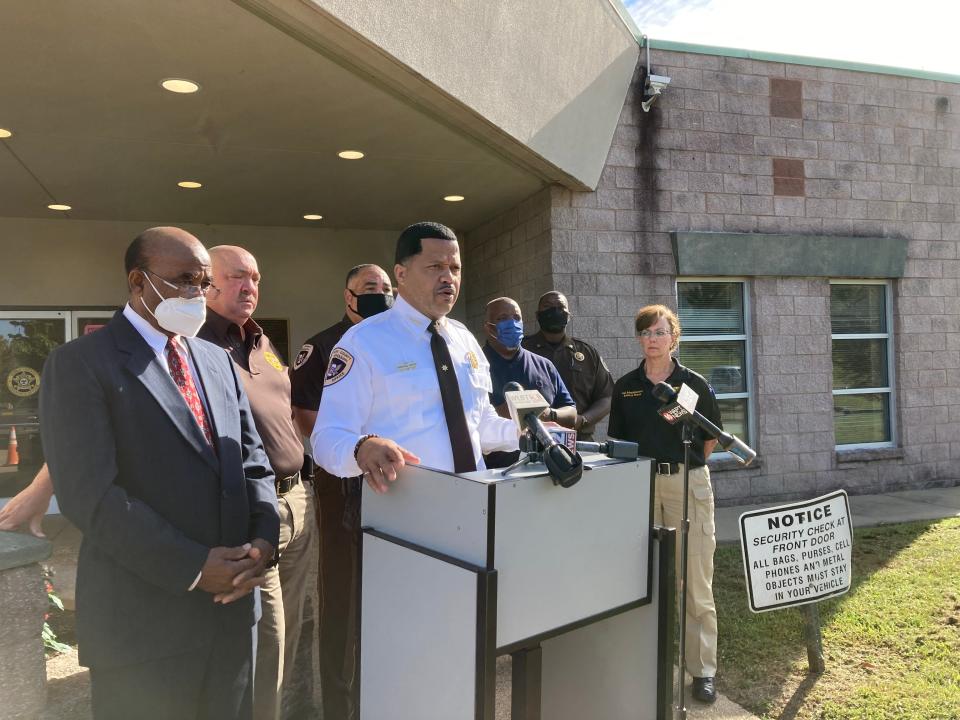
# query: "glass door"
26,338
88,321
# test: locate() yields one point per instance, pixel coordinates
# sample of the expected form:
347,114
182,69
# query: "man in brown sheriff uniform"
581,367
229,324
368,292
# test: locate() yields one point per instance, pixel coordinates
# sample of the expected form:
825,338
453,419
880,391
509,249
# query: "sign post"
798,554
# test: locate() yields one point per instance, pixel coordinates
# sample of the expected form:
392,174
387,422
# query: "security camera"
654,85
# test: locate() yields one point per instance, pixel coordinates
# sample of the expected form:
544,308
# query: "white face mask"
181,316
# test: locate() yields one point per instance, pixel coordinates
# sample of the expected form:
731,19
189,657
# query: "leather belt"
350,486
288,483
667,468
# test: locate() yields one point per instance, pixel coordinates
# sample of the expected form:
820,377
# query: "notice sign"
797,554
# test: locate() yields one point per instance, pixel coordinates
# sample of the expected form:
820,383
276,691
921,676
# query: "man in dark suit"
155,457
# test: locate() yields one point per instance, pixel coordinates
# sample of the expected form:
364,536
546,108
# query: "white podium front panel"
607,669
565,554
418,634
440,511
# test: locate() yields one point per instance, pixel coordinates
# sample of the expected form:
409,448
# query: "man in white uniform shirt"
410,385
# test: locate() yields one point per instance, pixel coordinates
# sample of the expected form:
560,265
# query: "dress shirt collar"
154,338
222,328
414,318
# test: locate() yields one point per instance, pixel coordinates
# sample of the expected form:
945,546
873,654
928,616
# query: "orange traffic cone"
13,457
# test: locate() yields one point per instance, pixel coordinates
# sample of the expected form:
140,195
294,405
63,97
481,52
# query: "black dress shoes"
704,690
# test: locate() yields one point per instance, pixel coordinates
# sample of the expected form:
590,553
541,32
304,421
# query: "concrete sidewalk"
866,510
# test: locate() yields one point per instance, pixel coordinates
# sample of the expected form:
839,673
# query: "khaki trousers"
282,597
701,635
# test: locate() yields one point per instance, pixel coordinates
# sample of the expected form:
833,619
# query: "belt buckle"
663,468
286,484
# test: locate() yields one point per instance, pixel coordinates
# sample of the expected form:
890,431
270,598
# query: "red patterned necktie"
180,372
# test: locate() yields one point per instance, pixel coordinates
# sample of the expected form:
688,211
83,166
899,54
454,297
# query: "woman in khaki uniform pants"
634,416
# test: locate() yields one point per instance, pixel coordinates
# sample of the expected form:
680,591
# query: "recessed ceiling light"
313,217
57,206
453,198
350,154
4,133
190,184
179,85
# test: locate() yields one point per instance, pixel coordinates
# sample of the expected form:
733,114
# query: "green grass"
891,645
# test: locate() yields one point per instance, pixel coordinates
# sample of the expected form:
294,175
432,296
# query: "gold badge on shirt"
578,356
472,359
273,360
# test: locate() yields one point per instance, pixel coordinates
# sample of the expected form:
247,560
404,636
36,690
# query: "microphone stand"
681,706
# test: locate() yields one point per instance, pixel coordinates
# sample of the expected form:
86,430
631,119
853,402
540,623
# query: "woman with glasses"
634,416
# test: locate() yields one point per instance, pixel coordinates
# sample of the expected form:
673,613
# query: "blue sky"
916,34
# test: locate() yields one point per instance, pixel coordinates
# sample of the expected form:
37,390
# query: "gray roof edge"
801,60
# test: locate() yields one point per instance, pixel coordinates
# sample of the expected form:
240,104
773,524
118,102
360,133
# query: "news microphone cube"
563,436
687,398
522,402
673,412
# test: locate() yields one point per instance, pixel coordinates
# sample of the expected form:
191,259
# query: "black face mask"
370,304
553,320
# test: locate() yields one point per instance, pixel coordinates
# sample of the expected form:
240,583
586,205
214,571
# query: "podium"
572,582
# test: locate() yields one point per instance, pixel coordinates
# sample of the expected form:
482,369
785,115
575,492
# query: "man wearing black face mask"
368,292
581,367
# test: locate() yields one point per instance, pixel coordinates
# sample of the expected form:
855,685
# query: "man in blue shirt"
509,362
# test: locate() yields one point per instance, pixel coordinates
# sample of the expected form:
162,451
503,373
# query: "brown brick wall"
877,155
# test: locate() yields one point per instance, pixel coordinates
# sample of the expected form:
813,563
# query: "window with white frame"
862,349
714,321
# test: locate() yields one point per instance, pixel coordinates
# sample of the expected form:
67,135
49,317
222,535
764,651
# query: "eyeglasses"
654,333
186,289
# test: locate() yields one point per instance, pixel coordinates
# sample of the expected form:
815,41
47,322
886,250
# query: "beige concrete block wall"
66,263
880,156
508,256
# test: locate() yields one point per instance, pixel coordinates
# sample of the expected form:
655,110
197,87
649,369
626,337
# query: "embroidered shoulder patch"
305,352
340,363
273,360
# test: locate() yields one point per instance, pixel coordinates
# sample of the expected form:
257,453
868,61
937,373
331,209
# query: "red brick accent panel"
788,177
786,98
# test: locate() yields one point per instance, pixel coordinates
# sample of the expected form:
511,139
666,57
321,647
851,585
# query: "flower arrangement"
50,641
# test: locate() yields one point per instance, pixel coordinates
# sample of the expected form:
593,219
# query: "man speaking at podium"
410,384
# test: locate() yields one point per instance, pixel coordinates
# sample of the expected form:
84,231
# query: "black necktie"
463,460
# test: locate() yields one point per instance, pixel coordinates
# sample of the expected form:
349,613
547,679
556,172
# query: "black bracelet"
361,441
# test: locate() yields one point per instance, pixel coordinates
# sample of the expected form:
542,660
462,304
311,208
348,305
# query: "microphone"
615,449
525,406
679,407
